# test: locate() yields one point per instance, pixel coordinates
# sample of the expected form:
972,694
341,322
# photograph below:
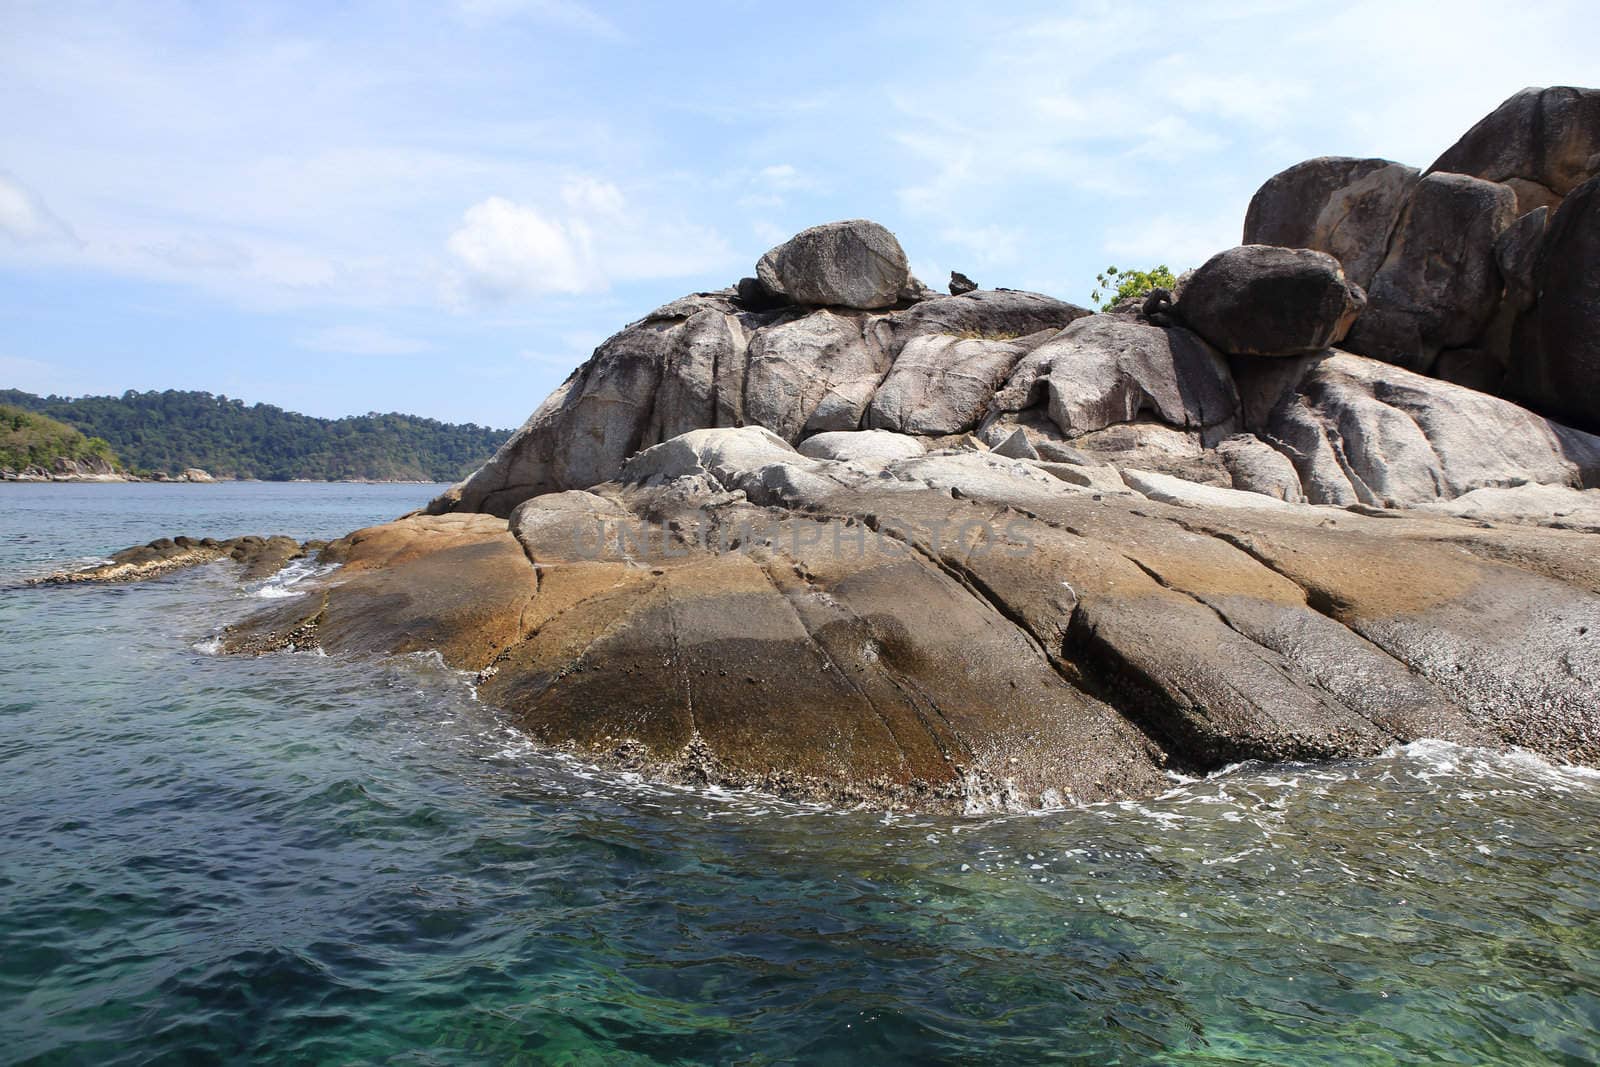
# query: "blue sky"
441,208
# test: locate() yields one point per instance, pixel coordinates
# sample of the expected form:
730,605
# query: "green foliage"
1112,286
168,431
32,440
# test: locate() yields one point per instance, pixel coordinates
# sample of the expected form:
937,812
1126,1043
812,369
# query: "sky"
441,208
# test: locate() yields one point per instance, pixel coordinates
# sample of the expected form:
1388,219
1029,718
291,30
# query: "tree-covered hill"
171,430
28,439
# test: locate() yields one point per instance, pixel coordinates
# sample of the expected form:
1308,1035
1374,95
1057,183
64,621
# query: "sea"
302,858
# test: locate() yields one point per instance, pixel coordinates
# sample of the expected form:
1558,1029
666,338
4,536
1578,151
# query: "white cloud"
509,249
25,219
362,341
506,249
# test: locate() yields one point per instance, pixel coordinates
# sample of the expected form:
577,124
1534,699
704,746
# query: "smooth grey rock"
941,384
1557,366
855,264
1261,300
687,397
1542,137
981,476
1099,478
1557,506
870,448
811,374
1151,445
743,448
1361,432
1257,467
1106,369
583,431
1335,204
1176,491
1016,446
1439,285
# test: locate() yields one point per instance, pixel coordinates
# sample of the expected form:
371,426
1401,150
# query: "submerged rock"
261,557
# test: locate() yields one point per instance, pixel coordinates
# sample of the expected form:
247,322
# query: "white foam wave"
282,585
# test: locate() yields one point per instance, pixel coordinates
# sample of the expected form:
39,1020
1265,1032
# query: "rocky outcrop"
1258,300
953,631
1557,365
991,551
1455,264
63,469
1344,207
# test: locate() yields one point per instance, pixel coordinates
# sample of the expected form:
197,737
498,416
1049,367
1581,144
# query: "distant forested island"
167,432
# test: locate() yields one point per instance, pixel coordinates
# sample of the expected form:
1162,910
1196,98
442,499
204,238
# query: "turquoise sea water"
310,859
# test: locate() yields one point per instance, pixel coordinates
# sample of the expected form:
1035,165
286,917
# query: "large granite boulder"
1543,143
1557,369
1440,284
1261,300
1361,432
1342,206
852,264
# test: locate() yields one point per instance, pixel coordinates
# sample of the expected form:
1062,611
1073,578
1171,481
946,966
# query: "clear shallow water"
316,859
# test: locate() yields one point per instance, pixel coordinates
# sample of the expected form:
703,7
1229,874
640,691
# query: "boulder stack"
1455,262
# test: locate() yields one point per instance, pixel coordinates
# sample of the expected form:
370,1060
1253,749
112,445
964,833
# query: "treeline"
28,439
169,431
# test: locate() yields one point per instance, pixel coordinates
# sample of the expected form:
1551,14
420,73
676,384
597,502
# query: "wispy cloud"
362,341
24,217
566,13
